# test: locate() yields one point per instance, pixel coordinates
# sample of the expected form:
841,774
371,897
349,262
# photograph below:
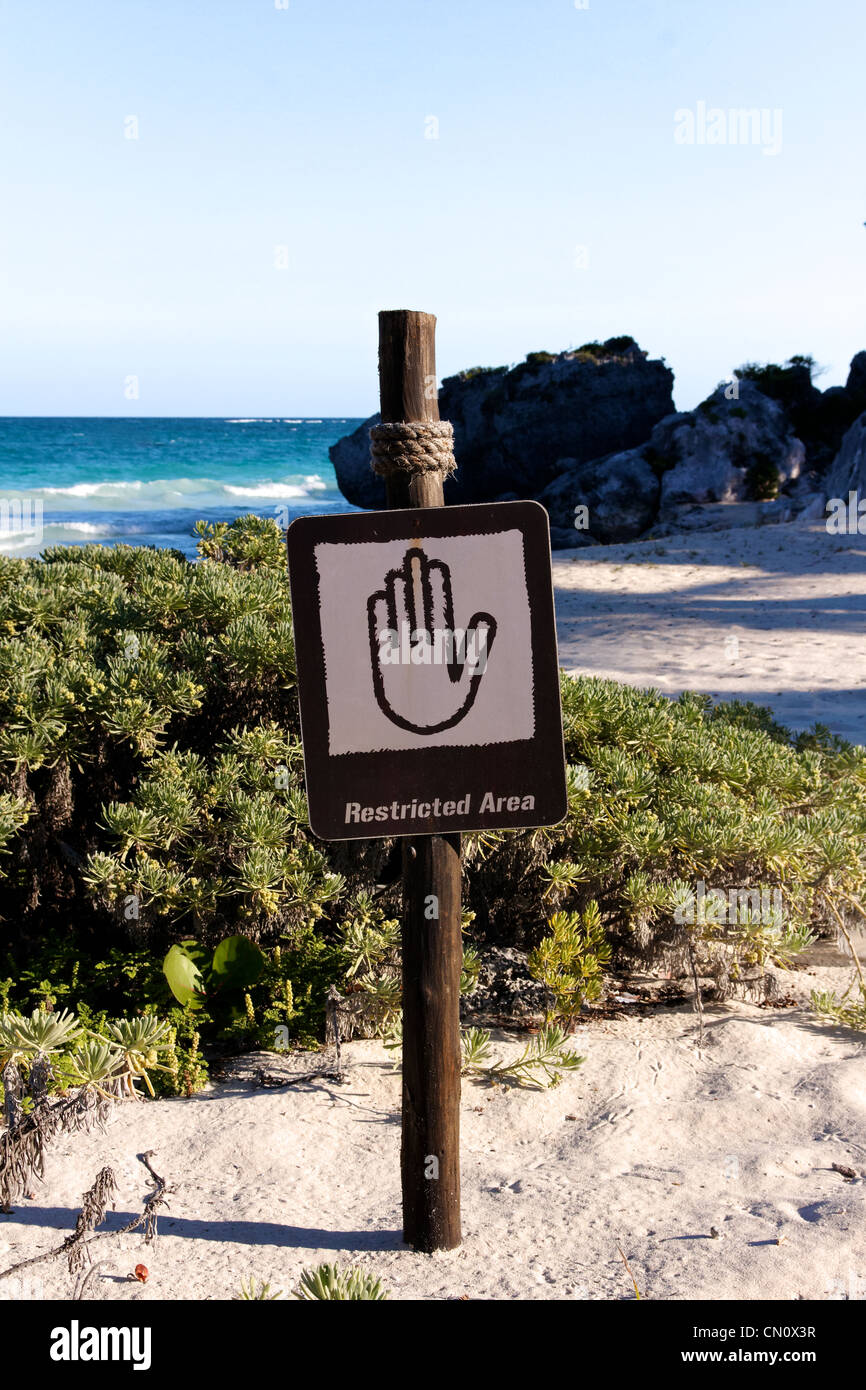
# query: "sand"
774,614
653,1145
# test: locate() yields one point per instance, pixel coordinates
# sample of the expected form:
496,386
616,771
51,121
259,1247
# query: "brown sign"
427,670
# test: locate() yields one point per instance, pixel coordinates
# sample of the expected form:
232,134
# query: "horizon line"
227,419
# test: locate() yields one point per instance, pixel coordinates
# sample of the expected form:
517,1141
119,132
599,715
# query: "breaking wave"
132,495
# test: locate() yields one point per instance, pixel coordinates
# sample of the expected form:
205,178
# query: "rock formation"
592,435
848,473
511,428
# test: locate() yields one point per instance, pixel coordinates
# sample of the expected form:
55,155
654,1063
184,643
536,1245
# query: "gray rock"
726,516
848,472
815,510
620,492
567,538
855,386
512,427
818,418
506,991
718,452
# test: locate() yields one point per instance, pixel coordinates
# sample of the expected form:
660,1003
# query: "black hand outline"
399,594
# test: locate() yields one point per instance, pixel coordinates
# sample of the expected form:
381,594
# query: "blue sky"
308,129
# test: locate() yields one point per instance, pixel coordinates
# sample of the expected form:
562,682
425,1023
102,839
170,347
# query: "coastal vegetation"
152,805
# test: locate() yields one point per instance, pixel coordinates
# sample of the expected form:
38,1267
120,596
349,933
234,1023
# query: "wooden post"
432,944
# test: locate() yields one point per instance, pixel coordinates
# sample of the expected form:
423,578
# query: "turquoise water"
146,482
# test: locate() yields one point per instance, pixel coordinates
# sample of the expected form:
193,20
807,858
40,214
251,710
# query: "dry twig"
76,1246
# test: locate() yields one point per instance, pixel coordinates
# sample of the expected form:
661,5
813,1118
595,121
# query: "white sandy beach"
774,614
652,1144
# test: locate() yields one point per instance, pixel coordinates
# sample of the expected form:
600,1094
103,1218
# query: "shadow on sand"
61,1219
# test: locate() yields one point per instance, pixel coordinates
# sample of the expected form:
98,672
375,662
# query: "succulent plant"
252,1292
38,1035
330,1282
139,1040
95,1063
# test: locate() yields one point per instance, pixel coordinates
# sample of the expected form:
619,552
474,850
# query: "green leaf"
198,954
237,963
184,978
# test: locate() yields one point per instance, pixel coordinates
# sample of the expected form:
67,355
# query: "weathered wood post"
432,943
367,585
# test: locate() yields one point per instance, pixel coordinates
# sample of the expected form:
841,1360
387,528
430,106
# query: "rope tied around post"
423,446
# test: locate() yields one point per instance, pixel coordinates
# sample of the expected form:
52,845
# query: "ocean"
147,481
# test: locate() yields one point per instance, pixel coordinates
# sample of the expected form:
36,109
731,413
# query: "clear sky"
554,206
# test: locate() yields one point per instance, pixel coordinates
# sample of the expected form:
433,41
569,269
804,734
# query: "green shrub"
570,962
151,792
819,419
850,1012
707,409
664,795
609,350
471,373
540,1065
762,477
783,383
109,659
525,370
372,969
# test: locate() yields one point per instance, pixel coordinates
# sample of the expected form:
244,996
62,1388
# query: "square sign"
427,670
